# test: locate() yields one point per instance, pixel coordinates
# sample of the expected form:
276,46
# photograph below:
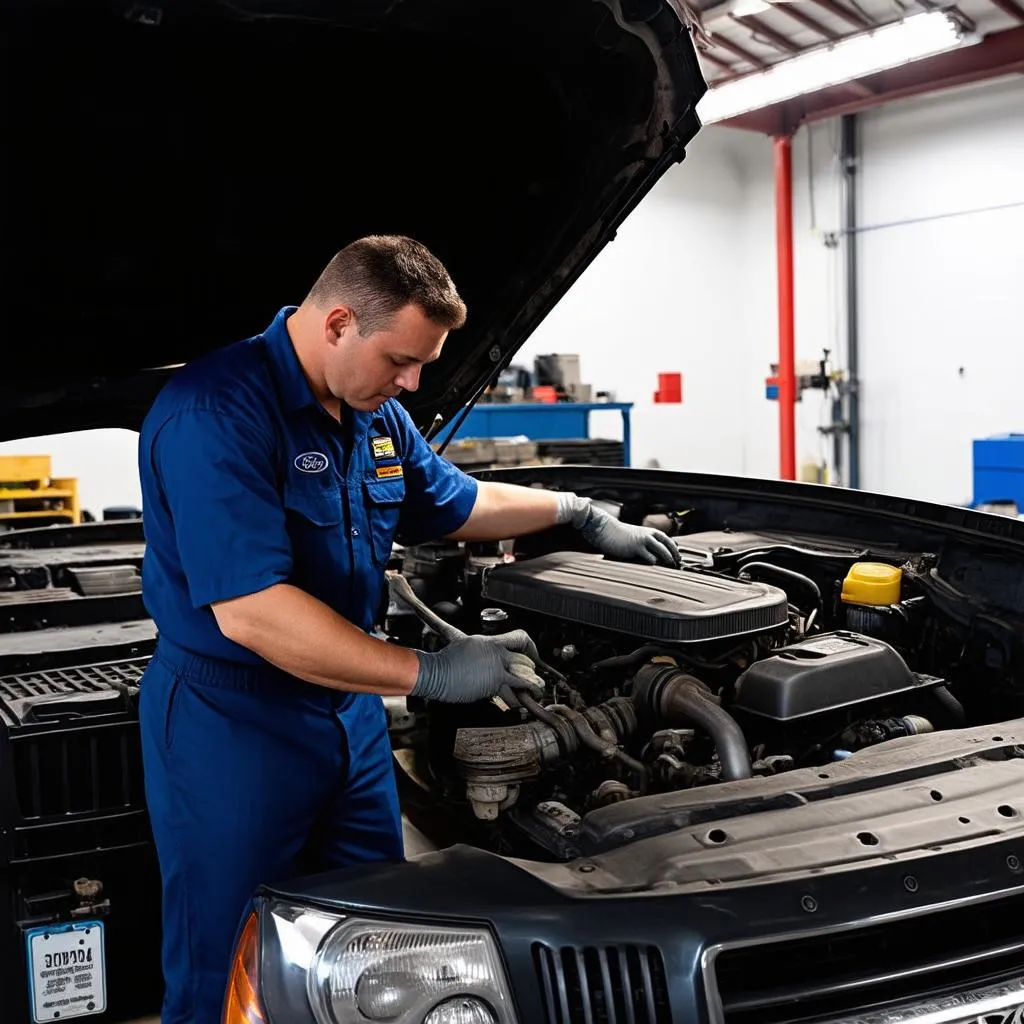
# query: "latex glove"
619,540
478,668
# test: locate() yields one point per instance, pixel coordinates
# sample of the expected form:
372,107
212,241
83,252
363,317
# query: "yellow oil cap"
873,583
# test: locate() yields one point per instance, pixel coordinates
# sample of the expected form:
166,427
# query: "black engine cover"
646,601
830,672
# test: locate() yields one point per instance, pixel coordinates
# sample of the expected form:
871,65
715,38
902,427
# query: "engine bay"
762,654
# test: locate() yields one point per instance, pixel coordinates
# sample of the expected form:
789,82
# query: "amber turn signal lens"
242,1003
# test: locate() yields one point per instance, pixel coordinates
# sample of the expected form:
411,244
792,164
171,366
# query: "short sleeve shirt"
247,481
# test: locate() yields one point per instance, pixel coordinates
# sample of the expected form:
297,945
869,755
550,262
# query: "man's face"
366,371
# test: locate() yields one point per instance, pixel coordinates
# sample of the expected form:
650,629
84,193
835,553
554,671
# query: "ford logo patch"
311,462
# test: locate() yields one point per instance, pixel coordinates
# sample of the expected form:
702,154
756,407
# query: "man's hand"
619,540
479,667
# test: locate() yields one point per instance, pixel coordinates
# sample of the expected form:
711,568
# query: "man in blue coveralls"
275,473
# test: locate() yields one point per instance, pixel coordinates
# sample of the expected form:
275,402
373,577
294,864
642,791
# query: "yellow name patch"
383,472
383,447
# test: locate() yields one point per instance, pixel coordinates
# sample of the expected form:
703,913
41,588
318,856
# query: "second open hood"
178,172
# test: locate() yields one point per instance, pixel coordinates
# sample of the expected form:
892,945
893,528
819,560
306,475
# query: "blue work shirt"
247,481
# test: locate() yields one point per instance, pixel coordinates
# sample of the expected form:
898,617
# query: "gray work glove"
619,540
478,668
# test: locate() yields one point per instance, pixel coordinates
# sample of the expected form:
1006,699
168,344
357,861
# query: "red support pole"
783,149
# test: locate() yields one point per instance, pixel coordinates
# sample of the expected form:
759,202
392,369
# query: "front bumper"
580,958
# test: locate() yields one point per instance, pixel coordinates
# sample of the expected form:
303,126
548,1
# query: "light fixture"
921,35
745,8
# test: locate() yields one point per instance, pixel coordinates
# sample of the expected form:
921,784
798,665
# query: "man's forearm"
502,511
301,635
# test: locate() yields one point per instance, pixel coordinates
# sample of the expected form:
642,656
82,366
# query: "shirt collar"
291,382
292,385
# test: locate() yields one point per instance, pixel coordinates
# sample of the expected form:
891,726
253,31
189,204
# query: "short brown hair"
379,274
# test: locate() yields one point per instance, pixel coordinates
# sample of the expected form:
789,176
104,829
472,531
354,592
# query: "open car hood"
178,171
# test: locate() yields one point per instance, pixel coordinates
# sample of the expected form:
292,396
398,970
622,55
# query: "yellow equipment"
28,491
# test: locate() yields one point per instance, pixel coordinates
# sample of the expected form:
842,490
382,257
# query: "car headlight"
358,970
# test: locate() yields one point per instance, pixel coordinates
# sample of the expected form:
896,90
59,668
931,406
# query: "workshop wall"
690,285
673,292
940,276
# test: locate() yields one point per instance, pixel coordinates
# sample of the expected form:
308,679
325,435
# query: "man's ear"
340,320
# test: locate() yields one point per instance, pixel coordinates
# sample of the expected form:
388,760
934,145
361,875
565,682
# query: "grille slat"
607,987
581,971
647,986
546,970
622,956
603,985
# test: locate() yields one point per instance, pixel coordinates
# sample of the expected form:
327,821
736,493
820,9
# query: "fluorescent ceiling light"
921,35
744,8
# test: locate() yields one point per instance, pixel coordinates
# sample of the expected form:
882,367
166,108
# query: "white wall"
942,296
671,294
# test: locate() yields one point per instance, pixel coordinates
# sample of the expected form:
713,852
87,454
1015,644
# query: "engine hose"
950,704
769,569
590,739
582,728
663,691
649,651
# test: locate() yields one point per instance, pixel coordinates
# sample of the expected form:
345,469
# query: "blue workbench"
542,421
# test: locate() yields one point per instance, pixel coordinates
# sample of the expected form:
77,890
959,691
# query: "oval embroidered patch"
311,462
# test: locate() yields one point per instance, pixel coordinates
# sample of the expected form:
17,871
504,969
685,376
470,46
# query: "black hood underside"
179,171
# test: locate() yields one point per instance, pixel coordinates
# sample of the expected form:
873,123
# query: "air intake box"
828,673
647,602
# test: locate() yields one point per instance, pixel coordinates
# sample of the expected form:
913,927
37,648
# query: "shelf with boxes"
31,496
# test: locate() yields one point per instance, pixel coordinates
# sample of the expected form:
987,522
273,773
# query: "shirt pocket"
384,507
314,505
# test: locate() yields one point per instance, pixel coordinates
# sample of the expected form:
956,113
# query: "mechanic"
275,472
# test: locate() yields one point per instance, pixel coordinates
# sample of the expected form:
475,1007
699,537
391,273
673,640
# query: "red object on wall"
670,388
783,146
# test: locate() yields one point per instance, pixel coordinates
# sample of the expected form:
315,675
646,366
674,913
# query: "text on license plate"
66,971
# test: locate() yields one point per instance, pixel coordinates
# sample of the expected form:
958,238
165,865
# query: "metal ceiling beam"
1001,53
841,11
791,10
738,51
1010,8
759,28
717,61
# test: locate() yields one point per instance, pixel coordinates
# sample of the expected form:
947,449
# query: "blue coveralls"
252,775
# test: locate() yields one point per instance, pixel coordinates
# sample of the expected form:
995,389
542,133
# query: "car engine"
760,655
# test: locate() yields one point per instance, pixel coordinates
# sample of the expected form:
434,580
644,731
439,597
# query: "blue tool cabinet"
999,469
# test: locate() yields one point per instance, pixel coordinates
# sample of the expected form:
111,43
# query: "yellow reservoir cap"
873,583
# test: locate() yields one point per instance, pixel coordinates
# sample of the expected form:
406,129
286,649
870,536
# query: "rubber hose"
677,697
589,738
787,574
951,704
